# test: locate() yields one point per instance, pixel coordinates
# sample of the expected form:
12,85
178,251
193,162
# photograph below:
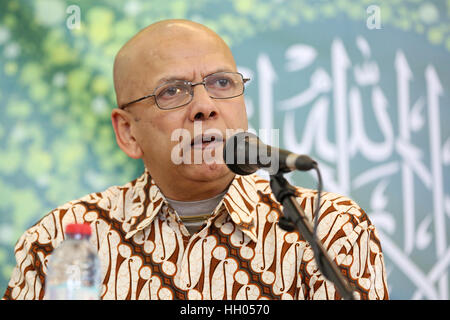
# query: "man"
193,229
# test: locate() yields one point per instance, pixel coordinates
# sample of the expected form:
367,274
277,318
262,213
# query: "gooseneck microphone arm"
294,217
243,156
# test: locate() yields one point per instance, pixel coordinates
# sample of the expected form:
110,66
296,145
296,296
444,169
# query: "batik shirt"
240,253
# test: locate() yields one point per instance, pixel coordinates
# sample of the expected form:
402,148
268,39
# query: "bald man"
175,50
193,229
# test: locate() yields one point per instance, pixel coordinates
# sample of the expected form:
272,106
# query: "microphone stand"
294,216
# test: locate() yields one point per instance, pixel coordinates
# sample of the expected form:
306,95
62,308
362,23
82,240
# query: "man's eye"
169,92
172,91
223,82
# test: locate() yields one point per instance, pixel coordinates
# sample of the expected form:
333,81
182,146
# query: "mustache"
206,138
204,146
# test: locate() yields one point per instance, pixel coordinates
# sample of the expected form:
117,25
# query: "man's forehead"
160,46
160,34
184,58
165,39
191,76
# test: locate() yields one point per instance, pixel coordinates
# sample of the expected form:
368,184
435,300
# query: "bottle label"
67,292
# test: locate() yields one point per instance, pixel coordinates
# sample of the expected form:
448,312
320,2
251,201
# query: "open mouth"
204,140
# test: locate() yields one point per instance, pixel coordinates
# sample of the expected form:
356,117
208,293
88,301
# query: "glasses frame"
191,91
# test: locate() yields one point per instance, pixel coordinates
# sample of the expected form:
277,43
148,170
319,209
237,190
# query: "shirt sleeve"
28,277
352,243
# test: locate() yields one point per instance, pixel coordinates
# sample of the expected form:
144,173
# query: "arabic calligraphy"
349,118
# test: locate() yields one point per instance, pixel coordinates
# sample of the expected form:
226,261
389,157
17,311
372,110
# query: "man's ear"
122,122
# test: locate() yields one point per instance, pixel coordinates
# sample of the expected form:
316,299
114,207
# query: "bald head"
139,57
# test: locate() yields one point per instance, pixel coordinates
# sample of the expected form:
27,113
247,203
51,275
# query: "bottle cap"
79,228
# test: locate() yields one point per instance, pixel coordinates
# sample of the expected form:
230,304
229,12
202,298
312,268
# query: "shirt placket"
183,260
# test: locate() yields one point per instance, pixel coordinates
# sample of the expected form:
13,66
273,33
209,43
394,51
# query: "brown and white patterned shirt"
241,253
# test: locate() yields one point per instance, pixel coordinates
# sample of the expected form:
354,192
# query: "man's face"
186,57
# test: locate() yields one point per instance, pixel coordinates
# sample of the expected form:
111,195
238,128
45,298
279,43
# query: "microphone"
245,154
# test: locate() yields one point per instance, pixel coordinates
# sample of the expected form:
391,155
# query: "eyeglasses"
177,93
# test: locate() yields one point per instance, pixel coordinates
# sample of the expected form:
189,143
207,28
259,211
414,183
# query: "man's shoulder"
102,200
338,200
332,204
86,209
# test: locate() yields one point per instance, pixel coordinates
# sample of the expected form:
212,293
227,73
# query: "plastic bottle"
74,267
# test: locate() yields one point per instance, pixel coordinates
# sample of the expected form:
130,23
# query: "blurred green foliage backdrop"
56,90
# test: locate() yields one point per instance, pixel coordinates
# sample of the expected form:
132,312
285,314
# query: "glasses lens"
173,94
224,85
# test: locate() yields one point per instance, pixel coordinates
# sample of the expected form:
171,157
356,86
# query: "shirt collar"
146,201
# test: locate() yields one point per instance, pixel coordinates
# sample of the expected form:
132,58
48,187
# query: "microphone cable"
314,246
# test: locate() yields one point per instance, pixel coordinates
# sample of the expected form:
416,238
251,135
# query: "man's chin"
208,171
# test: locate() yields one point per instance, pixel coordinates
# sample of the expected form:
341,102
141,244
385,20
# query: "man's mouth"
204,140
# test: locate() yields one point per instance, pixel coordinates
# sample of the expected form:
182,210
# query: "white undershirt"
188,210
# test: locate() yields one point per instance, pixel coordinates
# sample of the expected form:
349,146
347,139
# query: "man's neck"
179,190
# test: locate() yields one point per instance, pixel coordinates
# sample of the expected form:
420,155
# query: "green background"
56,94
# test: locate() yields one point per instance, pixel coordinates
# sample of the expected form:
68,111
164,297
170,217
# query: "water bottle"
74,267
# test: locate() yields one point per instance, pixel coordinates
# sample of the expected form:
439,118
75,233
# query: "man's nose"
203,107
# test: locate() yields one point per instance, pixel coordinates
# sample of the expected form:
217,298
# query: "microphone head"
237,153
245,154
